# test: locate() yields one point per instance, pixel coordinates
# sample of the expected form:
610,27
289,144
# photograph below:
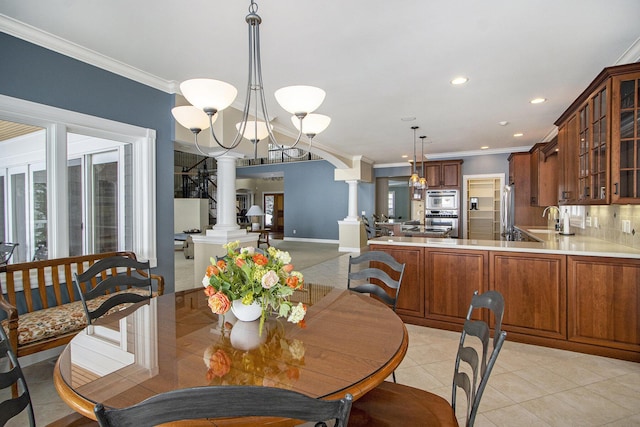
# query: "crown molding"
632,54
57,44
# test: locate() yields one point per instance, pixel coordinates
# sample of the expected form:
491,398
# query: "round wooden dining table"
349,344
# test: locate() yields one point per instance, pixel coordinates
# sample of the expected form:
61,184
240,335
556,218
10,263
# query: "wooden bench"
39,305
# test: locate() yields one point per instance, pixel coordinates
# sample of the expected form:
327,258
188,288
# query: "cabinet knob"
616,189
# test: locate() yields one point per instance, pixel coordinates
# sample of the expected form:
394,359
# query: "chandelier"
417,183
208,97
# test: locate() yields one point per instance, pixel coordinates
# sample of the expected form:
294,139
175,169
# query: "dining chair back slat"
229,401
105,278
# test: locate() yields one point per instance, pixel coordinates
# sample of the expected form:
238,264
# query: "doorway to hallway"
274,212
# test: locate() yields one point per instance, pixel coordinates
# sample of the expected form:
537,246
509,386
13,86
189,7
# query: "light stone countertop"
552,243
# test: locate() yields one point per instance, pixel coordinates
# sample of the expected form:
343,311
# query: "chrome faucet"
549,208
553,216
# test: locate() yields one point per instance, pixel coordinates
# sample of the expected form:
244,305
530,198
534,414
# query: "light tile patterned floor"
530,385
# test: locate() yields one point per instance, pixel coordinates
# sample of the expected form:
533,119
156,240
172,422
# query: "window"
79,184
392,204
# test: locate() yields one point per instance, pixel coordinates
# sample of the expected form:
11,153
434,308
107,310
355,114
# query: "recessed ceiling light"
503,123
407,119
459,80
404,156
518,135
484,147
538,100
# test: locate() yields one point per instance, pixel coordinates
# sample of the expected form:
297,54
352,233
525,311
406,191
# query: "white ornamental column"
353,236
353,201
226,229
226,194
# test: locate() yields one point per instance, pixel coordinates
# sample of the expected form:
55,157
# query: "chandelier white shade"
212,96
312,124
208,93
191,117
300,99
254,130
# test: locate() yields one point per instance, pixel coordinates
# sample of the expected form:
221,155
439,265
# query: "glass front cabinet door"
626,139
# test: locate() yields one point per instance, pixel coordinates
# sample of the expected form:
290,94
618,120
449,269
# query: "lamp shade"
255,210
192,117
312,124
299,99
208,93
254,130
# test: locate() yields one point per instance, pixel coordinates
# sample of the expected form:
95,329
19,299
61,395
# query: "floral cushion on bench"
60,320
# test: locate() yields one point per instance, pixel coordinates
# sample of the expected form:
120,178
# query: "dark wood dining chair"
397,404
13,378
113,281
226,401
366,274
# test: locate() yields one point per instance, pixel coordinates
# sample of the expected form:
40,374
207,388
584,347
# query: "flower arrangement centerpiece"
254,276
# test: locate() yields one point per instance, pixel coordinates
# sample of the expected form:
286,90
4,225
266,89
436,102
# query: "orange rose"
260,259
221,264
219,365
293,282
288,268
219,303
240,262
212,270
209,291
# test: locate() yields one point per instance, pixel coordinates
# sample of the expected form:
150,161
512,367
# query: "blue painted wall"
313,201
39,75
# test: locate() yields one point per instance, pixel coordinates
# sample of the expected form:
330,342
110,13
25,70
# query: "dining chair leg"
393,374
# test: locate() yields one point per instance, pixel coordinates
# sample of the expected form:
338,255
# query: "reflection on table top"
350,344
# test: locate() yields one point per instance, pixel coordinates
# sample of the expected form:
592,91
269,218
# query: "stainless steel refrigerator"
508,213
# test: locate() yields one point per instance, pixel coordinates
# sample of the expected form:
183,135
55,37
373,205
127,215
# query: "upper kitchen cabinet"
443,174
599,139
625,132
544,173
520,179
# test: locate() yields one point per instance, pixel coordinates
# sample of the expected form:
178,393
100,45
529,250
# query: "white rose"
270,279
205,281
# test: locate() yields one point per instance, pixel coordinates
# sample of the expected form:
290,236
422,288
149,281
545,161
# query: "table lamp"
254,212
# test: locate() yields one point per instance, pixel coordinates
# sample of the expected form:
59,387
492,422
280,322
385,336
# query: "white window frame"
58,122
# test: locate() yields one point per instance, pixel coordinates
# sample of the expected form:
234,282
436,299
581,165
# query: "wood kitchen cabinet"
411,299
443,174
535,292
599,141
625,159
604,302
568,162
451,279
520,178
544,174
578,303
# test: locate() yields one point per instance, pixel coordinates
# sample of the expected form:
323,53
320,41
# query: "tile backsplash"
610,220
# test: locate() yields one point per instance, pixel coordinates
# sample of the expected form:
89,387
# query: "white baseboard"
303,239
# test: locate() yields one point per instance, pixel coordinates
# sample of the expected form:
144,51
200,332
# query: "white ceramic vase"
246,313
246,335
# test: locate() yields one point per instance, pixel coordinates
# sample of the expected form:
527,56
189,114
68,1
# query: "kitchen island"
569,292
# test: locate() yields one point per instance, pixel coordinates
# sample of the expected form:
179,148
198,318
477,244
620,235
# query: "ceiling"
378,61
